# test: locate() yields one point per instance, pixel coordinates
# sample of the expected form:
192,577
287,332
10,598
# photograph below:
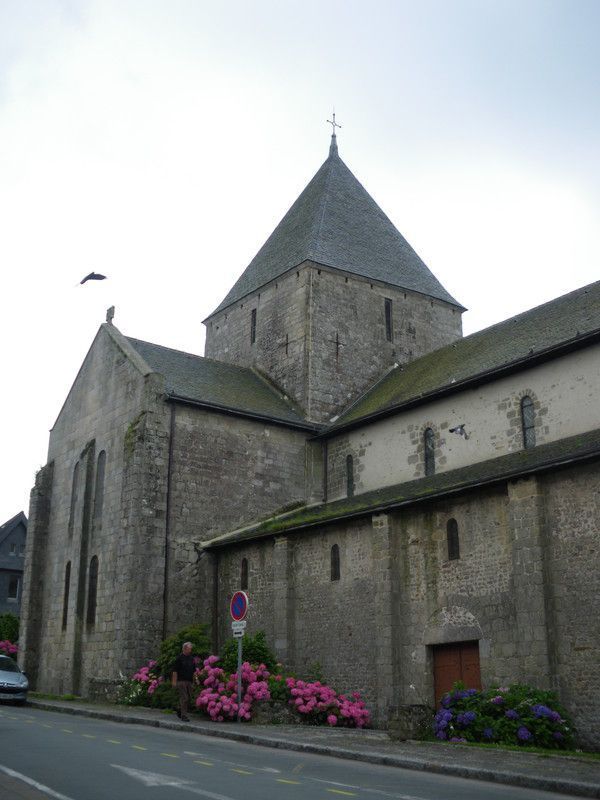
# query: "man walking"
182,677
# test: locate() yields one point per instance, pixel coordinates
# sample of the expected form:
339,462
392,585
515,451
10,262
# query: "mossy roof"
335,222
524,462
203,381
569,320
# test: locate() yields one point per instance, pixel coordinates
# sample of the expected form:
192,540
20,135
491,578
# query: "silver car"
13,683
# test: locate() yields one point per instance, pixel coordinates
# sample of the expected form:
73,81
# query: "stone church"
404,506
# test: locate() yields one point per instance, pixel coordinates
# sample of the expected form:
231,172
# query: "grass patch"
45,696
518,748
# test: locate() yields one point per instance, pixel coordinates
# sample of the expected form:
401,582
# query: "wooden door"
455,662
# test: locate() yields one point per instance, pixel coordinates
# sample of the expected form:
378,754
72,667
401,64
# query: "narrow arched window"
99,490
244,574
528,421
389,328
92,591
429,445
65,613
453,542
349,476
74,491
335,563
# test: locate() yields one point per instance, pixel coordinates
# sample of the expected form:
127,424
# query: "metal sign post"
238,608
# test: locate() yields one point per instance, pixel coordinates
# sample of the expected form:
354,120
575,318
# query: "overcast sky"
160,142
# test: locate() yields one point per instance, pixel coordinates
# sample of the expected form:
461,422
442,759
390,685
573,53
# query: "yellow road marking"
88,736
298,768
114,741
66,730
204,763
340,791
45,725
242,771
283,780
29,721
138,747
169,755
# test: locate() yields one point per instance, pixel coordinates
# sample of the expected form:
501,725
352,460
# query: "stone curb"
565,786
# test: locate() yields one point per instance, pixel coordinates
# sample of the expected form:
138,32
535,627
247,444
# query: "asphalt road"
45,754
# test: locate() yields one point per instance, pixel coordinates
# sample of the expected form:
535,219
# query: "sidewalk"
566,774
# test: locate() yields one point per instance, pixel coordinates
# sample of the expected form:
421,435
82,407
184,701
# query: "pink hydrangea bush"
218,695
320,704
141,688
8,647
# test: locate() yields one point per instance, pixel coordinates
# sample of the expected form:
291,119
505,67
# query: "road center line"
30,782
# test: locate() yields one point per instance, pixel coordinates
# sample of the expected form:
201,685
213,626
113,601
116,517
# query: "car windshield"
8,665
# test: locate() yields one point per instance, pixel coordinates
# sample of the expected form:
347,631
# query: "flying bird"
93,276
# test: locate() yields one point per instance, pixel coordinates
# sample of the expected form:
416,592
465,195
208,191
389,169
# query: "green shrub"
164,696
254,650
171,647
9,627
518,714
133,693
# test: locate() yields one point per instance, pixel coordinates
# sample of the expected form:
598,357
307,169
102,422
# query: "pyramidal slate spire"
336,223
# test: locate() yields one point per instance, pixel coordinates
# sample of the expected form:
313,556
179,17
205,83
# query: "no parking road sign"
238,608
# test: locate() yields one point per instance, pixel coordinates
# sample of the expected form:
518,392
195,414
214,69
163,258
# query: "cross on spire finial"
333,124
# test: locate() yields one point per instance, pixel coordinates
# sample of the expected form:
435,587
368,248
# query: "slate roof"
524,462
11,524
335,222
566,323
214,384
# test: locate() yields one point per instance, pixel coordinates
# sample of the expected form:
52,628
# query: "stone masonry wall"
349,349
525,587
36,556
321,334
572,516
226,472
281,331
391,451
326,625
113,408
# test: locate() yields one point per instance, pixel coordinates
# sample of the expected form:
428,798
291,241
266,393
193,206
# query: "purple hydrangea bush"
516,714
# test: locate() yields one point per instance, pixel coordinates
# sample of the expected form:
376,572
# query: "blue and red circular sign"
238,607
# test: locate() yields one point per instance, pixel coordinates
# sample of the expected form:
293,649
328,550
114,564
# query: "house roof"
566,323
519,464
11,524
213,384
336,223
